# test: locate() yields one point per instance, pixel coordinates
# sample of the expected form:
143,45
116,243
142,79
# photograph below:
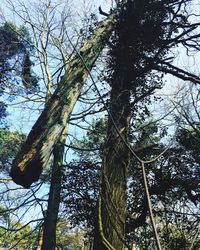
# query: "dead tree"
46,132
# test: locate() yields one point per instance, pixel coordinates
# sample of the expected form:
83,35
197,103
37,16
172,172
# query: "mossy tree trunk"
112,205
110,232
46,132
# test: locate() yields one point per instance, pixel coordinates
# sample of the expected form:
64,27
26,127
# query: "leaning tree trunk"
46,132
112,203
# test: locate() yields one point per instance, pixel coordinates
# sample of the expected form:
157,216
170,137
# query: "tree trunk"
112,204
122,79
50,221
40,240
46,132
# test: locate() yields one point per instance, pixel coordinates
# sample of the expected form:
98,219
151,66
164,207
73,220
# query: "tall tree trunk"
122,79
112,205
46,132
50,221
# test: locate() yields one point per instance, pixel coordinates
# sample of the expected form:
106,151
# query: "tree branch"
175,71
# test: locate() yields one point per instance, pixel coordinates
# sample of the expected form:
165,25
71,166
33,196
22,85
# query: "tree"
8,142
157,29
15,60
110,201
37,44
133,58
14,234
66,239
27,169
15,64
47,34
172,186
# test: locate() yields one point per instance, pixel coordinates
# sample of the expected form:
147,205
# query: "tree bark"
34,155
112,205
50,221
110,234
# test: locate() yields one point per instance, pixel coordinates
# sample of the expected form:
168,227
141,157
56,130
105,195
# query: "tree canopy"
117,154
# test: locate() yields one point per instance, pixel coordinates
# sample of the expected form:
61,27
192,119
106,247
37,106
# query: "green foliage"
4,216
80,192
93,141
189,139
15,52
17,237
10,143
10,43
67,239
133,46
172,178
145,134
29,79
179,236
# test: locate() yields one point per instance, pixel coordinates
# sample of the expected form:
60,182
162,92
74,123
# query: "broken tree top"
36,151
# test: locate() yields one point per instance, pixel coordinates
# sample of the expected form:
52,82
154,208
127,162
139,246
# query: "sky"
23,118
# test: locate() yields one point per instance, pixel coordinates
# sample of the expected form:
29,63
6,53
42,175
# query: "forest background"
121,82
